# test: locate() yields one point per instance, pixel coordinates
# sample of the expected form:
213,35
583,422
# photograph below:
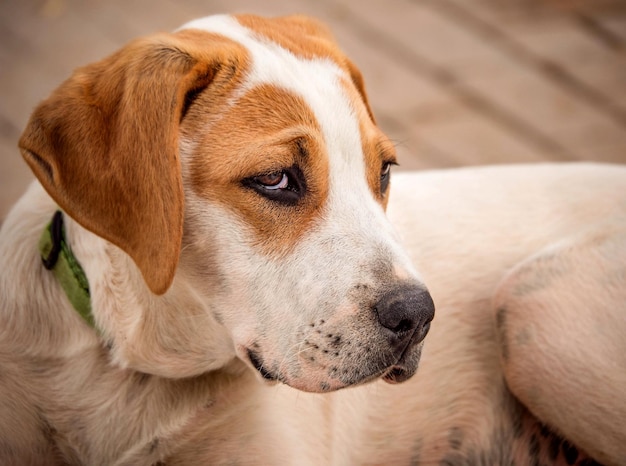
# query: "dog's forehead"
276,59
301,36
302,59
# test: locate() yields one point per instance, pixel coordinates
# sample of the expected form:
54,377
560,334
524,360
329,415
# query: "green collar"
58,258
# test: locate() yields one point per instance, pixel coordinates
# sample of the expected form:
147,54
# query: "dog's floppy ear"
105,144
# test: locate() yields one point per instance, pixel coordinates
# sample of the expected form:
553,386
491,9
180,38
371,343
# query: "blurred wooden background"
453,82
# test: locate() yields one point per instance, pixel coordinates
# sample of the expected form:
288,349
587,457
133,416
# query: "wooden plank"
44,51
615,23
547,94
123,21
392,87
557,112
443,65
524,11
435,39
572,48
468,139
398,97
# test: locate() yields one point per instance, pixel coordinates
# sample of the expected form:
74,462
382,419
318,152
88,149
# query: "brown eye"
278,180
286,186
385,172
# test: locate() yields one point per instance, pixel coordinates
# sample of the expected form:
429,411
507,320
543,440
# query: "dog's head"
241,153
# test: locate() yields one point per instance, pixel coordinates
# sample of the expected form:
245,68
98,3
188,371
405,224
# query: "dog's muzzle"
383,340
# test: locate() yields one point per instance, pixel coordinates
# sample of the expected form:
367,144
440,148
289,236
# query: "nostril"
404,326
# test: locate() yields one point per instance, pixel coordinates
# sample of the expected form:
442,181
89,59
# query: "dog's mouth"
258,364
401,371
404,368
397,375
407,364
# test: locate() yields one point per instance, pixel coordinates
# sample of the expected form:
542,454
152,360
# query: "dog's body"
281,266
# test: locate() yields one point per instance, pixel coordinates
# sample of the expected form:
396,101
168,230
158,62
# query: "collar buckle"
55,230
57,257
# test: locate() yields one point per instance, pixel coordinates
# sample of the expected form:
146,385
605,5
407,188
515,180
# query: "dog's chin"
399,372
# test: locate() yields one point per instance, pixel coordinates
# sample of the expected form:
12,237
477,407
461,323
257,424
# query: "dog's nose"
405,311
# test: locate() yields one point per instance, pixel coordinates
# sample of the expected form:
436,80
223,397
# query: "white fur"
169,378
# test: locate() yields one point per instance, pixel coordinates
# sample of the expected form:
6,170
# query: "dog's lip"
257,362
397,374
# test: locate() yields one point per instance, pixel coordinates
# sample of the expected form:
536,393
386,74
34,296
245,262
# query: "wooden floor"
453,82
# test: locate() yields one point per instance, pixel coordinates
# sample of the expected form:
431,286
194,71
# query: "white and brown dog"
209,220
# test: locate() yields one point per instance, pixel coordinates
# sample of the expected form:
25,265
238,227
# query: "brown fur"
98,119
286,134
307,38
525,264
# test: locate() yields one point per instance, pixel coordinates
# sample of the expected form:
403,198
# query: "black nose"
405,312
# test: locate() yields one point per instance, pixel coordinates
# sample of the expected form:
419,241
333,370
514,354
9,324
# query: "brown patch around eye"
268,132
380,156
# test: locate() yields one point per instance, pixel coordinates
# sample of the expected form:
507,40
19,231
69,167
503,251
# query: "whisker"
290,354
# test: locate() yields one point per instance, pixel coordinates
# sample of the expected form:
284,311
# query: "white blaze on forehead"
317,81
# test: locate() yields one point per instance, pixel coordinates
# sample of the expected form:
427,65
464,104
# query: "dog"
203,273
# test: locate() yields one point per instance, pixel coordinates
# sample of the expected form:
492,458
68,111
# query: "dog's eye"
386,170
385,173
278,180
284,186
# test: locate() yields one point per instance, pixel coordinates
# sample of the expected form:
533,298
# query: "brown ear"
105,144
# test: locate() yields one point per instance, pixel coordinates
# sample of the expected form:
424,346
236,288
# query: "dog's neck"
38,323
35,317
58,257
171,335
